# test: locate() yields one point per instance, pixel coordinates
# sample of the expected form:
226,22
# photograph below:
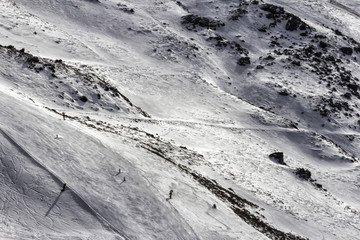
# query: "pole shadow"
54,203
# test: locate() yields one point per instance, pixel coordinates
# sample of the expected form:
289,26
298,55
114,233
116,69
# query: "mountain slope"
184,95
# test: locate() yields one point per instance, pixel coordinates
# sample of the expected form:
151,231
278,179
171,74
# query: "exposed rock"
337,32
244,61
262,29
303,173
269,57
346,50
293,23
83,99
192,21
284,93
353,87
278,156
323,44
272,8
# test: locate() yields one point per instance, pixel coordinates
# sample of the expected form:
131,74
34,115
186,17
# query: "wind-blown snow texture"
186,95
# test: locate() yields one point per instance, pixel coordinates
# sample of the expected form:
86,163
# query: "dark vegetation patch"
196,23
278,14
322,59
171,48
321,56
193,22
312,51
221,43
233,47
239,11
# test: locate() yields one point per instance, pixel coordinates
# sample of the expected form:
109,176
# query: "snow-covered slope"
186,95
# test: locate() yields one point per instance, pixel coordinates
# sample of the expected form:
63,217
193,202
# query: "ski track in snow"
59,180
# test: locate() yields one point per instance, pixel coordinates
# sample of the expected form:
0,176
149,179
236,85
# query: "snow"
172,112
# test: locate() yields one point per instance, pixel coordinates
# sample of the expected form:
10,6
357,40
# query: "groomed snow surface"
158,115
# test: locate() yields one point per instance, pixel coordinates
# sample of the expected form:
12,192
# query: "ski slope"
172,111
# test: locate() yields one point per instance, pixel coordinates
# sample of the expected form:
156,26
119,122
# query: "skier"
63,114
170,193
214,206
64,186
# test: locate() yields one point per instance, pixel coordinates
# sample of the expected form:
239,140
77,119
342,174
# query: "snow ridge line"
97,214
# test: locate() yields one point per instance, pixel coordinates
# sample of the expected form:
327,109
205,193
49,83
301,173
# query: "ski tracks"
101,219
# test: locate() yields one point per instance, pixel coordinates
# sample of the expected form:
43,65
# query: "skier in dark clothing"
64,187
63,114
170,193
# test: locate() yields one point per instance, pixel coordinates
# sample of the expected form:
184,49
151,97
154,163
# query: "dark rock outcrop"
278,157
303,173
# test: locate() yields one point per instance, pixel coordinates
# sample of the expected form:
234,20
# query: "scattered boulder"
182,6
296,63
33,59
346,50
83,99
353,87
303,173
323,44
262,29
272,8
337,32
347,95
125,9
269,57
244,61
238,13
278,156
293,23
284,93
192,21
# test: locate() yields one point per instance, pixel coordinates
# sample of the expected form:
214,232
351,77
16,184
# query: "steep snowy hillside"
250,106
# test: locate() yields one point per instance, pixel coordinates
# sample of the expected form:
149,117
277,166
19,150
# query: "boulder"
346,50
303,173
278,157
244,61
